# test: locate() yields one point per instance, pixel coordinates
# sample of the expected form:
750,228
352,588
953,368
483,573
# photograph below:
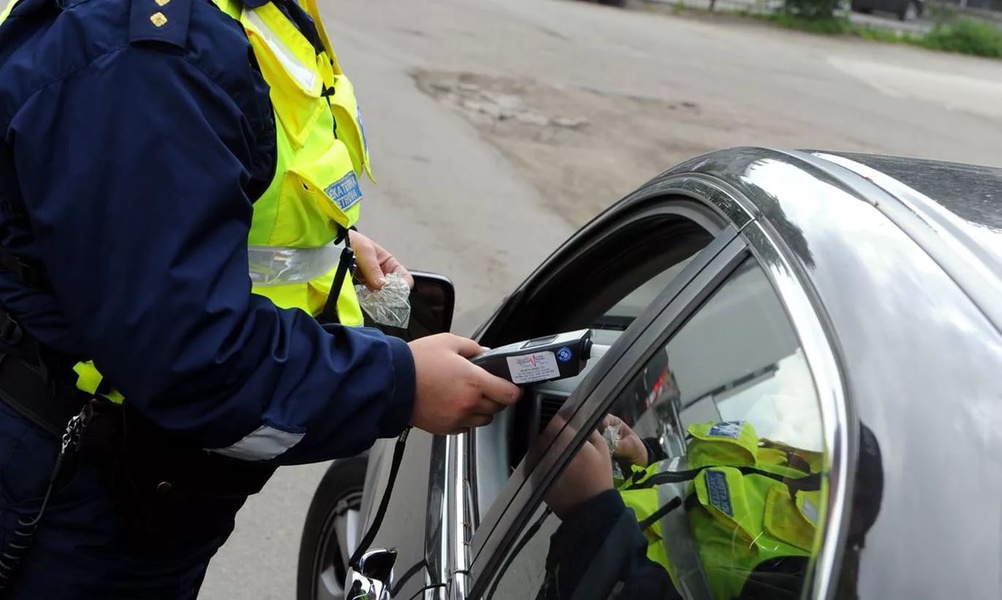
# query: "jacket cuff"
398,413
655,453
592,520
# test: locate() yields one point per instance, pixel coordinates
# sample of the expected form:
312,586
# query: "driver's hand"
588,475
630,447
453,394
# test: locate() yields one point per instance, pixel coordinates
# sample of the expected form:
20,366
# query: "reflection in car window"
633,304
714,487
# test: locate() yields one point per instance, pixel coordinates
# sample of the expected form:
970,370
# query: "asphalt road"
451,200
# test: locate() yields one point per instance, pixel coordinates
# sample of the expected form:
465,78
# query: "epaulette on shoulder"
160,21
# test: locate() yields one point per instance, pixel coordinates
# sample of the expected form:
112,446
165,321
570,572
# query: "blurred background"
498,127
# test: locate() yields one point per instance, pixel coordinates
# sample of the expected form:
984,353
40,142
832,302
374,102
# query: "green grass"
876,34
952,33
965,36
960,35
832,26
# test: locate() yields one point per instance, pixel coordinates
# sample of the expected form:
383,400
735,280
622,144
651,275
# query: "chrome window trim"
806,316
708,192
458,527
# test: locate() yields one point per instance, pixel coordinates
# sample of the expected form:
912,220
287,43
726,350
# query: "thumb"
368,267
467,348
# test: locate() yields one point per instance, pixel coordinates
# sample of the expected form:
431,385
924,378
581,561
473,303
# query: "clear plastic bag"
612,435
390,305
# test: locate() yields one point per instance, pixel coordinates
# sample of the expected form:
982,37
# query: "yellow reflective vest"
299,226
315,195
747,501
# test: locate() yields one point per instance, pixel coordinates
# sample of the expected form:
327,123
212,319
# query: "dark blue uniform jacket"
130,158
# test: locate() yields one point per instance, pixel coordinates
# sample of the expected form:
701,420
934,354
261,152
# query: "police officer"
179,193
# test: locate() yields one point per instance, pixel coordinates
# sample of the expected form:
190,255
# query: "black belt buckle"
103,436
10,331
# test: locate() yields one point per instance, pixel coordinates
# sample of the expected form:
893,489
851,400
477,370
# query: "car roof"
972,192
952,211
970,197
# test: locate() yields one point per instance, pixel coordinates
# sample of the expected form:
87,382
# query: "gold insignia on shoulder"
162,2
159,19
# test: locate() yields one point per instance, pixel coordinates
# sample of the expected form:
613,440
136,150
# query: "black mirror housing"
433,305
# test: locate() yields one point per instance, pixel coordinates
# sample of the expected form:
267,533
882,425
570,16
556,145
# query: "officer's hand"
453,394
630,447
375,262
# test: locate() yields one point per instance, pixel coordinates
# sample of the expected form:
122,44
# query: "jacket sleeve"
599,552
135,173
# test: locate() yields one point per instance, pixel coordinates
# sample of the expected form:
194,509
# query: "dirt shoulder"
578,147
582,148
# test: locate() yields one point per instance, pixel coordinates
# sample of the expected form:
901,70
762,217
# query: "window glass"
603,290
713,490
622,314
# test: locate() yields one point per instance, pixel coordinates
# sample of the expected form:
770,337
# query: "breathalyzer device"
541,359
534,361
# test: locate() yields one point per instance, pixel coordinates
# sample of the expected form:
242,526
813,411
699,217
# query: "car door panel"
671,207
413,520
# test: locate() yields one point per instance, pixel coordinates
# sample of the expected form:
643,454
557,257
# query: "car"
845,305
906,10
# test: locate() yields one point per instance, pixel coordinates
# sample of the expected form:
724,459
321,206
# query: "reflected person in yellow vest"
737,520
665,532
180,203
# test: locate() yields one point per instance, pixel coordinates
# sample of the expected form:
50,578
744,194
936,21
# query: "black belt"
27,389
155,458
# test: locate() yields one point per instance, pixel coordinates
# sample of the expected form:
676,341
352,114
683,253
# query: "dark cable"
16,548
398,455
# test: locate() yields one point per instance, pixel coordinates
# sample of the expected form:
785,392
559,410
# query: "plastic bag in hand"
391,304
612,436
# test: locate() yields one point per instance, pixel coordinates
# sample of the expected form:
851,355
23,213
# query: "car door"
604,277
736,342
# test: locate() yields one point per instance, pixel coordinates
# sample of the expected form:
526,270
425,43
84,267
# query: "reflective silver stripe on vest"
680,545
303,73
273,265
264,443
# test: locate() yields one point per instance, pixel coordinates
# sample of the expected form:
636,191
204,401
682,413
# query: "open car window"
714,487
604,288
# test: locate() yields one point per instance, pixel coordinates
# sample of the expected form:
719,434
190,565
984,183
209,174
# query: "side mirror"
433,303
371,580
